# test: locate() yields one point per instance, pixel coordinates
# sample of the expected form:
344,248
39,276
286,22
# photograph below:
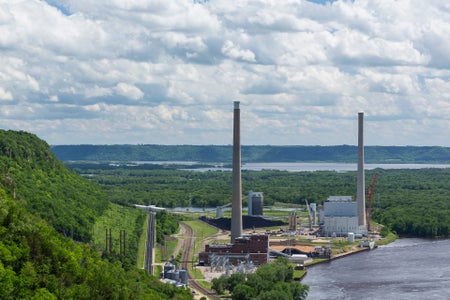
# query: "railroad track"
186,259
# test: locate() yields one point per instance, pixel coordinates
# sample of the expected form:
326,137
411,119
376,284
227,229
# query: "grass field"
116,218
388,239
141,245
164,252
202,231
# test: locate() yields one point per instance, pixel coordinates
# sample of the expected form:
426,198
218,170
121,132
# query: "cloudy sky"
168,71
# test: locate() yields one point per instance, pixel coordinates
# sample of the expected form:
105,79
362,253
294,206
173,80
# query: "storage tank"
168,267
219,212
183,276
172,275
255,203
351,237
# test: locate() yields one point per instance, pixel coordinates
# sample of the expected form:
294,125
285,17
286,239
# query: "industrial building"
255,203
248,248
340,216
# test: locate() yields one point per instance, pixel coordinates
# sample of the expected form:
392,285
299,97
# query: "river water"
311,167
339,167
405,269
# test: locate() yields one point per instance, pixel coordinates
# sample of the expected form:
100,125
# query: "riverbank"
337,256
391,237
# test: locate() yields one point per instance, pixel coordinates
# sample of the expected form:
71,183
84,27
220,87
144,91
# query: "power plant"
338,216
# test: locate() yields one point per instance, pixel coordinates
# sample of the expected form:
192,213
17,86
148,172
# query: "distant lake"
338,167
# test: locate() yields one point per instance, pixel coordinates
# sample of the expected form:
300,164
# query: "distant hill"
217,153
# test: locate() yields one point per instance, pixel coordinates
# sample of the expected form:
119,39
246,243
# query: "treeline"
171,188
411,202
414,202
223,154
166,225
44,208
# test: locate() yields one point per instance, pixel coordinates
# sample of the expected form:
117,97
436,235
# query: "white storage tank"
351,237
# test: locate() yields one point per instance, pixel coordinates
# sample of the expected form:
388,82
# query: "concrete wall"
340,209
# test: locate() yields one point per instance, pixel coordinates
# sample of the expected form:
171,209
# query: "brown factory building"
254,247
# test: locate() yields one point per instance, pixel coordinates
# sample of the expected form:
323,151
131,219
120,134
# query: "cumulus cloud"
128,90
167,71
235,52
5,95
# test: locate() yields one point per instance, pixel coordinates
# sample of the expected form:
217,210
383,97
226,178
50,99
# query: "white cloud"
167,71
53,98
235,52
5,95
129,91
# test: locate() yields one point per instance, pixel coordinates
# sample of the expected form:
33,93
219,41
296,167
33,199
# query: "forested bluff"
47,213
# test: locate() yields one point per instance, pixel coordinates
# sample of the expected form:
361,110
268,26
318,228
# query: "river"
311,167
339,167
405,269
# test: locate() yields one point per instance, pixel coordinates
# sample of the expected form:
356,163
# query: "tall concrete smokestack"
360,190
236,208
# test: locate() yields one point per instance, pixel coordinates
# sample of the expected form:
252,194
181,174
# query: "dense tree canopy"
47,187
414,202
38,263
270,281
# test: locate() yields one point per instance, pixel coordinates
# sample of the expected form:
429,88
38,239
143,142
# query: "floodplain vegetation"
409,202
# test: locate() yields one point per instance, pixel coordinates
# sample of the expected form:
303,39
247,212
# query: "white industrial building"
340,216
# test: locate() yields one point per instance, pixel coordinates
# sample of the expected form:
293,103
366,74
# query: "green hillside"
42,206
47,188
216,153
